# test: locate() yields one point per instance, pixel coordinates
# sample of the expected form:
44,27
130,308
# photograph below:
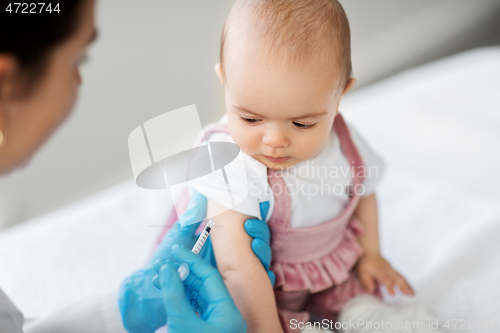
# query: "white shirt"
318,186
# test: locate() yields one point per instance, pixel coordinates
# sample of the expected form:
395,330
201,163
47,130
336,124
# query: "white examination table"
438,128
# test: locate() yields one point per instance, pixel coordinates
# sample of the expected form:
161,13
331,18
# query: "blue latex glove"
141,304
221,315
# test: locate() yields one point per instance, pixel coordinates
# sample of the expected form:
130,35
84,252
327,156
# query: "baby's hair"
295,30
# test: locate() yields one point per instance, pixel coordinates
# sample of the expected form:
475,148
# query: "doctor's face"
29,117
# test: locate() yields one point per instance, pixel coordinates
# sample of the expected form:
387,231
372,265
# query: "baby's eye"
299,125
250,120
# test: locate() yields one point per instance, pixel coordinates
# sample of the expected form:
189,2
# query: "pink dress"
313,265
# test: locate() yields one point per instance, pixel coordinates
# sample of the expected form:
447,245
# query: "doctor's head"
40,55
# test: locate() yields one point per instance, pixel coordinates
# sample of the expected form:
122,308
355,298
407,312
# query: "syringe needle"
183,269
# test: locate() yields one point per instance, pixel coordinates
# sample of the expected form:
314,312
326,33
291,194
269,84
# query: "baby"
285,64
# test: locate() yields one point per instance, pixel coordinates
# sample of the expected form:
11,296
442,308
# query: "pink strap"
349,148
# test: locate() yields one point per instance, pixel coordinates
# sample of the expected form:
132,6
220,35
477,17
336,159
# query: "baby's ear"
218,71
350,83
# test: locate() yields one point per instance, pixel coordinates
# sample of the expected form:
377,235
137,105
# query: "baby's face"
279,116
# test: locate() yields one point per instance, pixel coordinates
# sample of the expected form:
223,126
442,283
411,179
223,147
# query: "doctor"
40,55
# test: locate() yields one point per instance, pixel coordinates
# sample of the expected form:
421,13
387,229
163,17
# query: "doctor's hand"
141,304
220,316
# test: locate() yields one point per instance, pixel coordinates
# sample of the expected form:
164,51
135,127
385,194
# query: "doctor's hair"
31,37
293,31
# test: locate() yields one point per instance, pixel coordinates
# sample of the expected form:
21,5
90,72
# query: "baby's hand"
373,268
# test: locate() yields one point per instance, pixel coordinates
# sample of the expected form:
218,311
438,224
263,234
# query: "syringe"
183,269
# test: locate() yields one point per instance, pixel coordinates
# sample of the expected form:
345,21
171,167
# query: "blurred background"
153,56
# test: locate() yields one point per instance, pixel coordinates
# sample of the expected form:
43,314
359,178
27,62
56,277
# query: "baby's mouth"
277,159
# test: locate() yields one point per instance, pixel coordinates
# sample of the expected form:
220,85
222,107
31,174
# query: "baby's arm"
367,214
372,267
244,275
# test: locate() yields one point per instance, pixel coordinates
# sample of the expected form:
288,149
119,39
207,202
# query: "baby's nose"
275,137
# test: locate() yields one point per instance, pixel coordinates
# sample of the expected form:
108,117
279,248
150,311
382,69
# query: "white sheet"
436,126
438,129
81,250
